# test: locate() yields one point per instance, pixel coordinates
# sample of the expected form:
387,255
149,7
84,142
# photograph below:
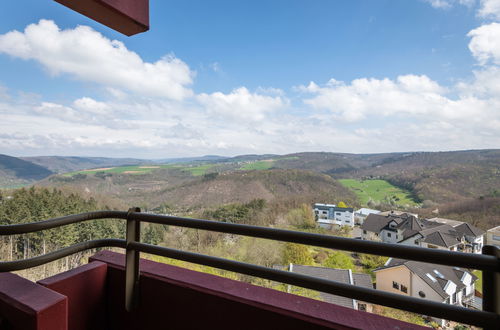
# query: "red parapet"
125,16
85,289
29,306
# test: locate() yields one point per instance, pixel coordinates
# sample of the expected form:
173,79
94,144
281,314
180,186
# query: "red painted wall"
85,289
25,305
177,298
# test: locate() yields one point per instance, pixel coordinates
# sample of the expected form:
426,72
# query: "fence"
488,262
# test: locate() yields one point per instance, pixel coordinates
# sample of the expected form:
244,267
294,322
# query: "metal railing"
488,262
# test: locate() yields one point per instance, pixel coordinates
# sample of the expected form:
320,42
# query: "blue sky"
232,77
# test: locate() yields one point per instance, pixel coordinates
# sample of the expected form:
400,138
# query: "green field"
135,169
378,191
259,165
197,170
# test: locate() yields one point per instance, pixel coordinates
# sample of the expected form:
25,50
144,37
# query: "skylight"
438,273
431,277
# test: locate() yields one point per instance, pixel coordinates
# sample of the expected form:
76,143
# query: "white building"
329,214
408,230
361,214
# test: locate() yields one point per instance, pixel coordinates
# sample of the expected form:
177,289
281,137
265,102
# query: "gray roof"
338,275
469,230
441,274
432,232
375,223
437,237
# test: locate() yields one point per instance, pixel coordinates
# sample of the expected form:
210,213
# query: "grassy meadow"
197,170
378,191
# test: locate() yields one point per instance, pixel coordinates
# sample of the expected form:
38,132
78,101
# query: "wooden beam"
125,16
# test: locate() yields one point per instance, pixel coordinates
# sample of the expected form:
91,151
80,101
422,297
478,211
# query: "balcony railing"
488,262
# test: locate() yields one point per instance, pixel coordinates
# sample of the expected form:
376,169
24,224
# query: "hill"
435,176
179,187
61,164
15,171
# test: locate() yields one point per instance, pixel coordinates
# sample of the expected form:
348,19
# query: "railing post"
132,262
491,283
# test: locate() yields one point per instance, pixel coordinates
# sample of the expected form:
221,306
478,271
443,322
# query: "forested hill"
436,176
63,164
14,171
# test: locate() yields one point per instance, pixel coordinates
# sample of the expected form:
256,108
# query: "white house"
361,214
329,214
409,230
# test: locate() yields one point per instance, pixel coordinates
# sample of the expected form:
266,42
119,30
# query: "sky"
225,77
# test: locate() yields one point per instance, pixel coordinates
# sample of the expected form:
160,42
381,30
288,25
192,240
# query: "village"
439,283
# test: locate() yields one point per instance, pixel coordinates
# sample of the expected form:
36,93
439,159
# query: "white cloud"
485,43
409,112
364,97
240,104
87,55
444,4
489,9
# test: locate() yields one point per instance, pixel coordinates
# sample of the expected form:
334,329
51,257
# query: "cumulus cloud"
87,55
490,9
408,112
485,43
241,104
408,94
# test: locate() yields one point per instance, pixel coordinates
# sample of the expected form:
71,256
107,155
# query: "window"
496,237
404,288
338,213
362,307
388,234
364,232
421,294
395,285
316,212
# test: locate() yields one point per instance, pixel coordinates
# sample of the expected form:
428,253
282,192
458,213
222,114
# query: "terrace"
121,291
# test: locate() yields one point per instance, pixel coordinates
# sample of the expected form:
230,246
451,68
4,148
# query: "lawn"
259,165
378,191
479,282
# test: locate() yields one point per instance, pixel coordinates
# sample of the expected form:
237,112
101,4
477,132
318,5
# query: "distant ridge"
14,169
63,164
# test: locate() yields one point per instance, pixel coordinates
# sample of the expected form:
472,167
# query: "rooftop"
338,275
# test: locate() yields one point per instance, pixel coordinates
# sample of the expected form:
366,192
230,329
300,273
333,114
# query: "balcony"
116,291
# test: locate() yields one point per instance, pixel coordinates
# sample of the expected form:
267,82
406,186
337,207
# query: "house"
493,237
329,214
405,228
445,284
395,212
339,275
361,214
